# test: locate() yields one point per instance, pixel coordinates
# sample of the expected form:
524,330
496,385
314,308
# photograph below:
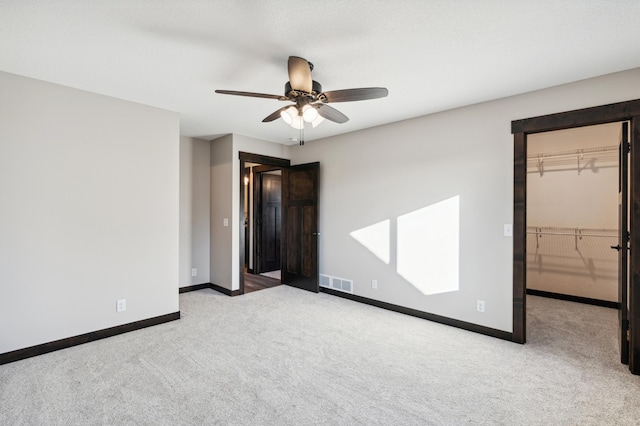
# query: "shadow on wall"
426,251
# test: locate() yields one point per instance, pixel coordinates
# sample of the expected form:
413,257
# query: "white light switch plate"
508,230
225,221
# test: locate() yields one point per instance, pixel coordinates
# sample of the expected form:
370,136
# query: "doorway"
573,180
262,221
521,129
572,214
288,202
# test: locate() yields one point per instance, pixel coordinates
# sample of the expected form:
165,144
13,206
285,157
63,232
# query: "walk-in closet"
572,213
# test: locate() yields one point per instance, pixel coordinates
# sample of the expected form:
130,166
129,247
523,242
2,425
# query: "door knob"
618,248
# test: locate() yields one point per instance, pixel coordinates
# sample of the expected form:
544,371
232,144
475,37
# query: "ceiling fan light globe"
288,116
292,117
285,117
309,113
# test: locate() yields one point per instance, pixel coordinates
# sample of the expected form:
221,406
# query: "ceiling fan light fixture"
310,102
309,113
292,118
287,116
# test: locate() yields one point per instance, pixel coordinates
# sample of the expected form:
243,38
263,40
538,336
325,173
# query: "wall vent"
342,284
336,283
325,281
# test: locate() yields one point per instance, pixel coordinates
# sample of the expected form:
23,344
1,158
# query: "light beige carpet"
284,356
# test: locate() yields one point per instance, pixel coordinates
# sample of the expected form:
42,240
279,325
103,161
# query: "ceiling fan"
310,102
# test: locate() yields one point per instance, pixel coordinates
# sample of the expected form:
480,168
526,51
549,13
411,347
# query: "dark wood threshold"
211,286
567,297
488,331
68,342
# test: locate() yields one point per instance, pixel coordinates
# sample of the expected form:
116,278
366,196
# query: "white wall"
88,212
560,195
195,188
387,172
221,199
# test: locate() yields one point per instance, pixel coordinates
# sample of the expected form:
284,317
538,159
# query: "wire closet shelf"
582,157
577,233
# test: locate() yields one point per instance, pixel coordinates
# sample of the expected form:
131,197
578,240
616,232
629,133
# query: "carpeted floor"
283,356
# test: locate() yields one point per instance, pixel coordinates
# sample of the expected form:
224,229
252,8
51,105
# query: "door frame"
623,241
247,157
621,111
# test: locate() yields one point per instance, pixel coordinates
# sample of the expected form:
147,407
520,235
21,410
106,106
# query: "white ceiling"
432,55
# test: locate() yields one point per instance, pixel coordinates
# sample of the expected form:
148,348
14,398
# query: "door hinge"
627,147
625,325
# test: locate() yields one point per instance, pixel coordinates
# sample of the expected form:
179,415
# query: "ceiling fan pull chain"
302,135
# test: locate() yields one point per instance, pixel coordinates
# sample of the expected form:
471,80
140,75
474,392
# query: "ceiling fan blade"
252,94
300,74
350,95
331,113
275,115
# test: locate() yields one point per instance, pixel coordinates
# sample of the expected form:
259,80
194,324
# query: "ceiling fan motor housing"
316,88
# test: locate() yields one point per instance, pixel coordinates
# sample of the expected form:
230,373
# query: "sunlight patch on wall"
376,238
428,247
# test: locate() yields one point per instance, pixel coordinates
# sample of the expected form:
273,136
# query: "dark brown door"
623,244
300,226
270,205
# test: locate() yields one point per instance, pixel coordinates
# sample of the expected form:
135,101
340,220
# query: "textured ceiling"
431,55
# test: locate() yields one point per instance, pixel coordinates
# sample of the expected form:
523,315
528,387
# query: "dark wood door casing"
634,241
623,243
519,238
618,112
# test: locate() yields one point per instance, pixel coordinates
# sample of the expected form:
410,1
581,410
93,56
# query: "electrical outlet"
121,305
480,305
194,272
508,230
374,284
